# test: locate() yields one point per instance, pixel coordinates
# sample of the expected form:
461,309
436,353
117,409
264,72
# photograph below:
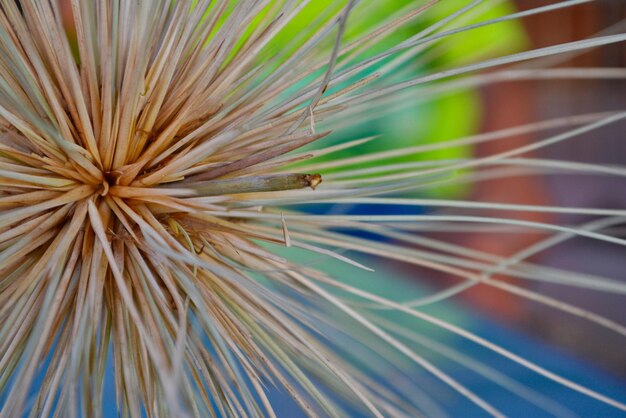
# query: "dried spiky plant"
145,180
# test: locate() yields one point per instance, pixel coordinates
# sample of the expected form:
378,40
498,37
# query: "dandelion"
152,170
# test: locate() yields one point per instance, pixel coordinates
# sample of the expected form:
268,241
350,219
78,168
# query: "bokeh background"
564,344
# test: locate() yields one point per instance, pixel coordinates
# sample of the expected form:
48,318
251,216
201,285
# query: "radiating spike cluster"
147,167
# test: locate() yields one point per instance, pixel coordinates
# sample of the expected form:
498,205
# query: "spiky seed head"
143,167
